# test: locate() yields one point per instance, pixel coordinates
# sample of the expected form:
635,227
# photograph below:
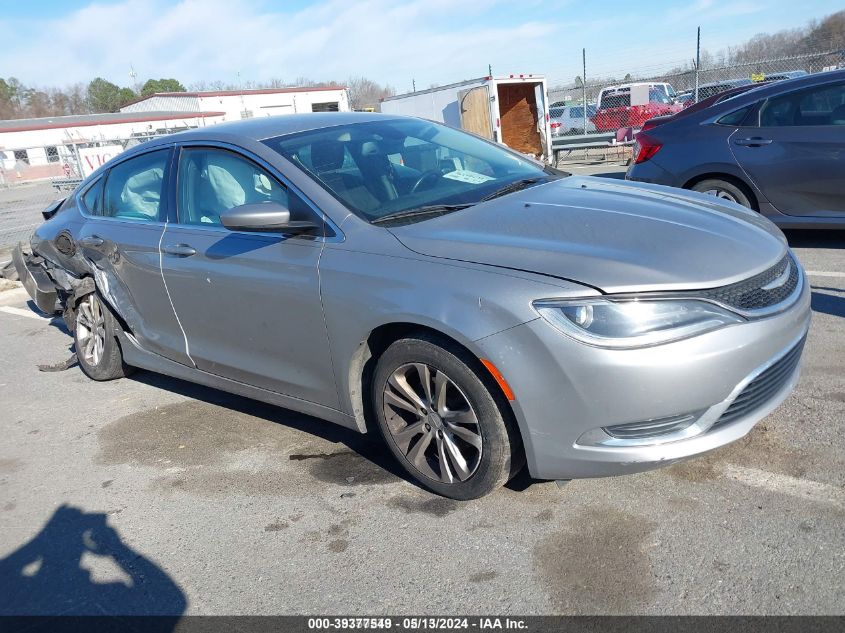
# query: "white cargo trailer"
512,110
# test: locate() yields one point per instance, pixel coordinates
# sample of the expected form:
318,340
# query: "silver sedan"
391,275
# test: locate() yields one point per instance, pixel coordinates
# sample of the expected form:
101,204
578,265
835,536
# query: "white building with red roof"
247,104
55,147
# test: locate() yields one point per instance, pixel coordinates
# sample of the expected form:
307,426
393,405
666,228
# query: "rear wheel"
95,340
440,419
724,190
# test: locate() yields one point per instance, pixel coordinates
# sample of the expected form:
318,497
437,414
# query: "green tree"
103,96
5,90
125,95
7,106
151,86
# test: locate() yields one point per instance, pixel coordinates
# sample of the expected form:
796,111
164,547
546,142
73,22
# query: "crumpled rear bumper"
37,282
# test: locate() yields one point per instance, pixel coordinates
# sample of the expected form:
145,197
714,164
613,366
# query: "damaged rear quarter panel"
128,258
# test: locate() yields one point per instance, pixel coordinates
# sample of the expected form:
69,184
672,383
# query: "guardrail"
576,141
564,146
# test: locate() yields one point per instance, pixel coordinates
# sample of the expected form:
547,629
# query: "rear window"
578,112
618,100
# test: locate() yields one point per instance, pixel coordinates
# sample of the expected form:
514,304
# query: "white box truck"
512,110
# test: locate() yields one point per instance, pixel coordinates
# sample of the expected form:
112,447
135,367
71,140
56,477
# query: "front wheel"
724,190
94,336
440,420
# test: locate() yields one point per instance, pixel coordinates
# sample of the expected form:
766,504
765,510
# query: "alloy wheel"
432,423
90,329
720,193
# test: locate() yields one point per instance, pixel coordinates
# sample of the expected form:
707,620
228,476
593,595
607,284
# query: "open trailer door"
518,115
474,105
542,121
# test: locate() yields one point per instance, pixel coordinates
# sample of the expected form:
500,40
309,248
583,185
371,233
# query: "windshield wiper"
429,209
511,187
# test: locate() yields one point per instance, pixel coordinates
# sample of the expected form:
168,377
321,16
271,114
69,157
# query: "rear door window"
822,105
135,188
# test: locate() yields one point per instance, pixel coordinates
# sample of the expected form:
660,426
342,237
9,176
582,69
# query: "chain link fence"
617,106
33,177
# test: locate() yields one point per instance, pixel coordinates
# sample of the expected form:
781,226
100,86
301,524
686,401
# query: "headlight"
633,322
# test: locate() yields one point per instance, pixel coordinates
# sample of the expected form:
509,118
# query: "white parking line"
786,485
24,313
824,273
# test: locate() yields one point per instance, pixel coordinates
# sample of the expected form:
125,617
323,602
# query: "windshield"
381,168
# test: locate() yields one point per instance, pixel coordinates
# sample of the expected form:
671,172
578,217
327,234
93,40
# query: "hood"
613,235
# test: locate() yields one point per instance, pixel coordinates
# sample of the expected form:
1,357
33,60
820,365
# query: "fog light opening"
651,428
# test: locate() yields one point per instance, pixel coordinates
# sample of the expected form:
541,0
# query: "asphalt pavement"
153,494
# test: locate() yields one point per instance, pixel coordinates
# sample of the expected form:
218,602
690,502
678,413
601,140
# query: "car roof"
763,91
260,128
771,88
257,129
636,83
744,81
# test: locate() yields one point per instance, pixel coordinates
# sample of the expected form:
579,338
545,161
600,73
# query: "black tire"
500,452
108,363
723,189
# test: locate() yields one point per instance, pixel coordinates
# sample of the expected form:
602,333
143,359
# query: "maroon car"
713,99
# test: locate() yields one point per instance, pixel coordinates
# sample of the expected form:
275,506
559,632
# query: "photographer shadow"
54,574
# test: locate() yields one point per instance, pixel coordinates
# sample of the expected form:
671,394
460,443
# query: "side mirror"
264,217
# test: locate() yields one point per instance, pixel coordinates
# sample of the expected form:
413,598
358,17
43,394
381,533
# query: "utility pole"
584,85
489,70
697,60
413,85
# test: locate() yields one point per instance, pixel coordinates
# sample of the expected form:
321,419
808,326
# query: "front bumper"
567,391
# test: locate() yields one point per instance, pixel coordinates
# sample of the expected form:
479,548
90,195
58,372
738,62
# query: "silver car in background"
569,120
393,275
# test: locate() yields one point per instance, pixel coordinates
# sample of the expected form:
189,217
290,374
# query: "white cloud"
428,40
394,41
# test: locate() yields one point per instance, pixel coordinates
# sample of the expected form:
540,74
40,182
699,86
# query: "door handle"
180,250
92,240
755,141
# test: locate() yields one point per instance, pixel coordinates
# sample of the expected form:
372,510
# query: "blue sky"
59,42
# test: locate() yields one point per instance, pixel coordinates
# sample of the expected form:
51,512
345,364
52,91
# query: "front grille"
760,390
750,293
